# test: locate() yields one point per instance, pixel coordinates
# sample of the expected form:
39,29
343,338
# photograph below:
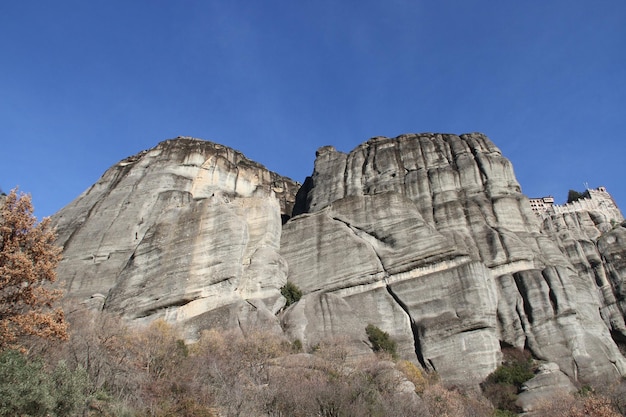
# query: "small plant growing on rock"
296,346
291,293
380,340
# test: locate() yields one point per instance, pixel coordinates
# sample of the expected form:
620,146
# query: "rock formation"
426,236
548,382
429,238
186,231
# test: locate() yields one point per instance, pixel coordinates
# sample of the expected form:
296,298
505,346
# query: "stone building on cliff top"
597,199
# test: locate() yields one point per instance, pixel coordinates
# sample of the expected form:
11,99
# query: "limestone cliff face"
179,231
426,236
429,237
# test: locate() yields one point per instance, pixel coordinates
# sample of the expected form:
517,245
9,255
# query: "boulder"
548,383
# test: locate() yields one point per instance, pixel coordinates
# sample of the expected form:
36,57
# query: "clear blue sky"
84,84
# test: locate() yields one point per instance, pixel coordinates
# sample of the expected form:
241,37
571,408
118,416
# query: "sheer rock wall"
594,242
426,236
429,238
179,231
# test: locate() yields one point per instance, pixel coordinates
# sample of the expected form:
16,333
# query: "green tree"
24,387
28,261
69,389
27,389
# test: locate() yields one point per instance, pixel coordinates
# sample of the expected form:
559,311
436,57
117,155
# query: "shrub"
27,389
291,293
502,396
502,385
514,374
23,386
443,402
69,389
413,374
517,368
587,405
380,340
504,413
296,346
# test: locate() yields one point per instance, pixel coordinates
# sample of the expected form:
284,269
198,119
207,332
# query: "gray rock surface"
596,247
547,383
426,236
429,237
612,248
178,231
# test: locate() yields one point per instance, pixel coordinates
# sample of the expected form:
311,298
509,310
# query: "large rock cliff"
429,237
426,236
185,231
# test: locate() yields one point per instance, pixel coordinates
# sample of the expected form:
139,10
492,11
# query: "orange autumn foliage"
28,261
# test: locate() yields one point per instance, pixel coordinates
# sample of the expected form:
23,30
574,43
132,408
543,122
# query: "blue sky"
84,84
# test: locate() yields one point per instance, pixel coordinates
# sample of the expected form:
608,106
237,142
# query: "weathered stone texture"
547,383
429,237
426,236
184,228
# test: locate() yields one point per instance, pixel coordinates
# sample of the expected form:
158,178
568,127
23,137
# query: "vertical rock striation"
426,236
429,237
178,231
594,241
